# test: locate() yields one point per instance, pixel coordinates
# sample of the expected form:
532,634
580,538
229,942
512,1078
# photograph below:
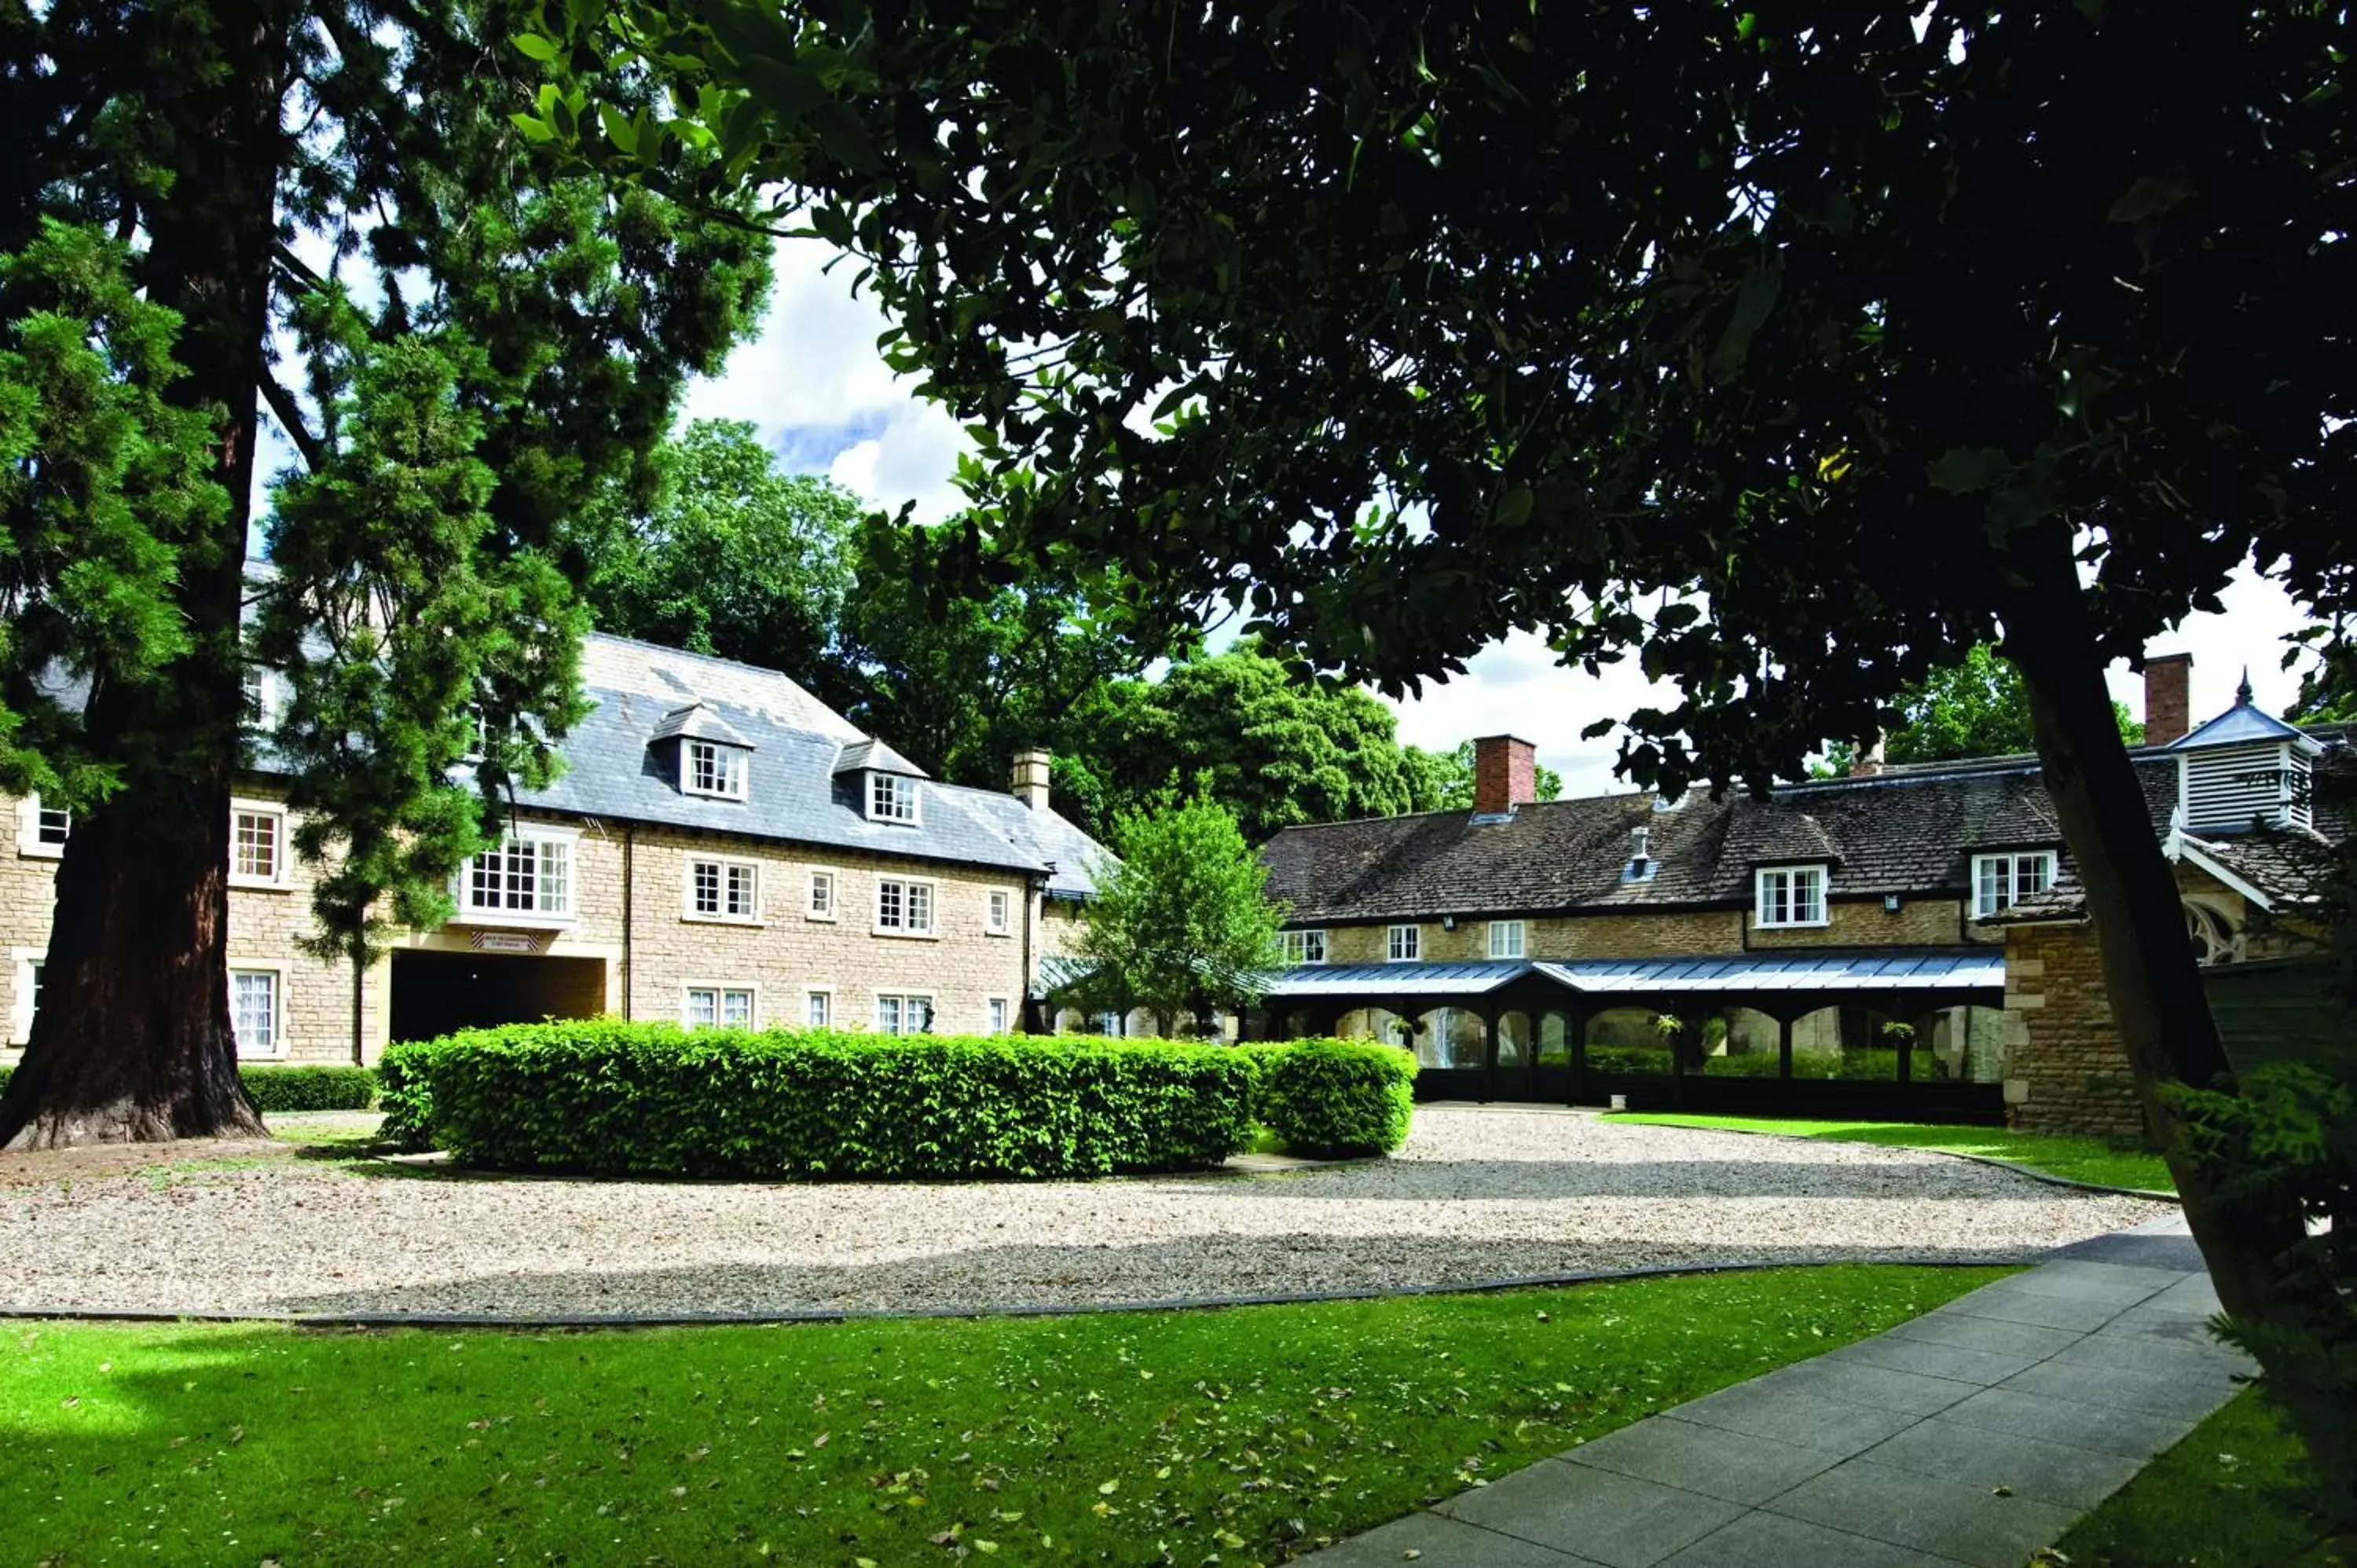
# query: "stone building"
721,847
1908,941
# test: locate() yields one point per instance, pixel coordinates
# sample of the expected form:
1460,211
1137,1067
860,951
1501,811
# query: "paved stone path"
1976,1433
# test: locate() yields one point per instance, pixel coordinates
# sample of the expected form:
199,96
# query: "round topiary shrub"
1334,1099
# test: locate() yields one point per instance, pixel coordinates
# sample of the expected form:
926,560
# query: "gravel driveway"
1478,1194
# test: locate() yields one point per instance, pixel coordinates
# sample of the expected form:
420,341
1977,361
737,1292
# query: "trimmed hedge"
1334,1099
276,1089
618,1099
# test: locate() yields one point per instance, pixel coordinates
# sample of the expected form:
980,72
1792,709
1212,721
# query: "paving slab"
1968,1333
1433,1540
2073,1287
1876,1388
2143,1353
1794,1415
1981,1368
2038,1311
1710,1460
2105,1430
2028,1467
1969,1523
1618,1520
1773,1541
2121,1389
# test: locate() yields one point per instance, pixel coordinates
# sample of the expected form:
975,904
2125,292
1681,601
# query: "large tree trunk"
2155,986
134,1040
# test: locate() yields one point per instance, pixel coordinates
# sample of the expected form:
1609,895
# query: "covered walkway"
1917,1036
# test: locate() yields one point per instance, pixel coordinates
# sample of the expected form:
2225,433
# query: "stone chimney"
2167,697
1866,761
1031,782
1505,775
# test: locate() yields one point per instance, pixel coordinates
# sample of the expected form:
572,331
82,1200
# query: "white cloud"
816,387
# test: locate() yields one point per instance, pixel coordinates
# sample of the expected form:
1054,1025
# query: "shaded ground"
1478,1195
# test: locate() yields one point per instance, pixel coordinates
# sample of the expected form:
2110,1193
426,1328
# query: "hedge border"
280,1087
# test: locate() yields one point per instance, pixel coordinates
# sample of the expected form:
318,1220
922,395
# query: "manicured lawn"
2080,1159
1240,1437
2227,1497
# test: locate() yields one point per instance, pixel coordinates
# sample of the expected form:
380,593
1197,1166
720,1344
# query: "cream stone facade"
788,902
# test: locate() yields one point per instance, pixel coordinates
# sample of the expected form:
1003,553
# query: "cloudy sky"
821,395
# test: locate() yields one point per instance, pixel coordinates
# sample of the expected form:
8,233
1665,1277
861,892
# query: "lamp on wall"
1448,922
1890,903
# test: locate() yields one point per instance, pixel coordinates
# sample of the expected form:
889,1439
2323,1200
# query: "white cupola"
2244,769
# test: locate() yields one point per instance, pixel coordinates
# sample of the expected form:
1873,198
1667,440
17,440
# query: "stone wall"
2064,1071
1919,922
783,954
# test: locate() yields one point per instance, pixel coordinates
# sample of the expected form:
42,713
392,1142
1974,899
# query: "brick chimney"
1866,761
2167,697
1031,782
1505,774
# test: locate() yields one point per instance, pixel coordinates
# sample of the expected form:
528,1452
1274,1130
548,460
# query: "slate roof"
1912,831
2289,865
794,795
1979,969
874,756
696,722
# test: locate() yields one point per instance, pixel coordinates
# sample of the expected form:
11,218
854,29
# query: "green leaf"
1753,300
618,129
1514,508
533,127
1967,471
787,92
537,48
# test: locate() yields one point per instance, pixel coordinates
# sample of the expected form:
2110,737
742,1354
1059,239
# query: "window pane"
741,894
52,827
822,893
887,1014
819,1006
921,1015
704,875
736,1009
254,845
997,1016
703,1007
889,905
2032,874
556,885
253,1009
921,906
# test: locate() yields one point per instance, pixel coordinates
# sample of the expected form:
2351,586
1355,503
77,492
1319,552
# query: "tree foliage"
322,206
1978,707
1795,350
1183,922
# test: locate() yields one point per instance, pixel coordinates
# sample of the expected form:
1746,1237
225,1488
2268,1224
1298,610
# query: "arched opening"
1514,1040
1849,1042
1629,1040
1377,1024
2212,932
1554,1040
1958,1044
1738,1042
1449,1037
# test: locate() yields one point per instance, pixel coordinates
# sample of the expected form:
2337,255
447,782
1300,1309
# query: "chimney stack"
1031,783
1505,775
2167,697
1867,760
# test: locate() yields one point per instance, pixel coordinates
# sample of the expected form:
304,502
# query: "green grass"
2080,1159
1248,1434
2226,1496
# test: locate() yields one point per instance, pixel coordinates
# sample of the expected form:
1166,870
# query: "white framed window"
1304,947
904,907
42,829
818,1007
526,878
998,913
257,844
257,1002
253,697
721,1007
2001,881
891,797
1791,896
1403,944
904,1012
27,995
709,768
818,901
721,889
1507,938
996,1014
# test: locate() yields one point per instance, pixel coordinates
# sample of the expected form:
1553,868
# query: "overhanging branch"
282,405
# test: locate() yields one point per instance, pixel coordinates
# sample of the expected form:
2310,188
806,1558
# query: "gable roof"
1906,832
2243,725
874,756
696,722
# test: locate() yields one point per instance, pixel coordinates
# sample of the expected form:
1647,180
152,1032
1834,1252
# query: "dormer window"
891,797
1791,896
2001,881
709,768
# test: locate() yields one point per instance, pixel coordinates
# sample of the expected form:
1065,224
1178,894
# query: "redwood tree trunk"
2157,1001
134,1038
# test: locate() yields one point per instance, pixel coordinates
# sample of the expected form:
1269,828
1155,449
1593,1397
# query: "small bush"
309,1088
654,1099
1334,1098
276,1089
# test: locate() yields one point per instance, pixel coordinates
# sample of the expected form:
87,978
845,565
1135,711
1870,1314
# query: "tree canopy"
321,205
1975,708
1795,351
1181,924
